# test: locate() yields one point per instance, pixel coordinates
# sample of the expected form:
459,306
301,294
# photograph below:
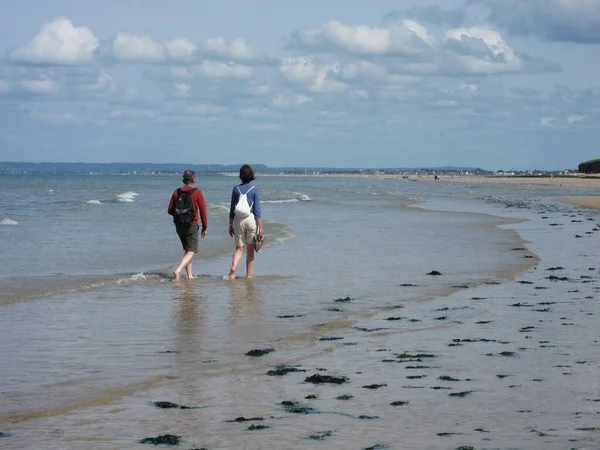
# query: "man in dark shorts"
188,232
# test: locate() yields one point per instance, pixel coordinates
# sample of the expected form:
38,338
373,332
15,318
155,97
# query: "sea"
384,313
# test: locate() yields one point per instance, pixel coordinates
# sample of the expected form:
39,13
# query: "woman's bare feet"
230,275
175,275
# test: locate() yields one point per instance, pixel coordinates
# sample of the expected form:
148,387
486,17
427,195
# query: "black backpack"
184,207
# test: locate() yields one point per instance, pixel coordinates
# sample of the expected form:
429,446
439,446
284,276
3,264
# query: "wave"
298,197
48,286
94,202
127,197
8,222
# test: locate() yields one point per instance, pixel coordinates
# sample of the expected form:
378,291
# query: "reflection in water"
188,322
245,299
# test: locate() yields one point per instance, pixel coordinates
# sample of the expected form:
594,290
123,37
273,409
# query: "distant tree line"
592,166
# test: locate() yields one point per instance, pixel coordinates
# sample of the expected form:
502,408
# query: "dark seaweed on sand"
297,408
399,403
374,386
460,394
164,439
321,436
171,405
320,379
414,356
330,338
242,419
447,378
258,427
344,397
260,352
343,300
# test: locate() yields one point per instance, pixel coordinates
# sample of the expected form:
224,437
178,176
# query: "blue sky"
498,84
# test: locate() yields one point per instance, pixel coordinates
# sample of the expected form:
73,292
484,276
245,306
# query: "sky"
495,84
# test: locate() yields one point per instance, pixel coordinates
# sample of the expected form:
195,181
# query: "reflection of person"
243,229
187,229
246,303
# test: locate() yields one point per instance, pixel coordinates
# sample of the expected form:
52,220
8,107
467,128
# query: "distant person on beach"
187,206
245,221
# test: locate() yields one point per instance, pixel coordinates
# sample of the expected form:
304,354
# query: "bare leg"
187,259
188,270
235,259
249,260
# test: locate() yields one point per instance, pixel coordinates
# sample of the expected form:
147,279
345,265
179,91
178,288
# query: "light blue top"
253,199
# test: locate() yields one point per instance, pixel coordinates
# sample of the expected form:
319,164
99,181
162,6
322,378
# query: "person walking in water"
245,221
187,207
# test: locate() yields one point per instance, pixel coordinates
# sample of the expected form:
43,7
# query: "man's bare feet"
175,275
192,277
250,277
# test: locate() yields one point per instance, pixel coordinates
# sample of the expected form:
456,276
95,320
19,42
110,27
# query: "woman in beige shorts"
244,226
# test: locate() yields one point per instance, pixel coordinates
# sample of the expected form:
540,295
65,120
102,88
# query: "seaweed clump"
163,439
321,379
260,352
283,370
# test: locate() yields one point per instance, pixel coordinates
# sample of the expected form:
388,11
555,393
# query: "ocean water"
93,330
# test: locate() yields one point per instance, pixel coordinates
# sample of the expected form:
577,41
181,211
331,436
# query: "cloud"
554,20
405,38
58,43
181,90
134,48
43,86
206,109
547,121
217,69
575,118
482,51
235,50
433,14
281,101
53,118
304,73
104,83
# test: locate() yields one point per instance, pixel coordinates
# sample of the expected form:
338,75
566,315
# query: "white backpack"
242,209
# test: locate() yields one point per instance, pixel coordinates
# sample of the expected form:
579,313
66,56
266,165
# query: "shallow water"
89,344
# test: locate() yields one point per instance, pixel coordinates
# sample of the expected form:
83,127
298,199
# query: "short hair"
188,176
246,173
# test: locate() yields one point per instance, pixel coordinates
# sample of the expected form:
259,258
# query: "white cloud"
58,42
181,49
216,69
236,50
281,101
575,118
376,73
479,50
44,86
181,90
547,121
304,73
254,113
206,109
405,38
104,83
134,48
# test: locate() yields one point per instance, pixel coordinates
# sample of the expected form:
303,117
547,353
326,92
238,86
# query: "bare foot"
192,277
250,277
175,275
230,275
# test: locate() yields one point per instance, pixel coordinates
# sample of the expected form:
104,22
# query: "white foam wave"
303,197
8,222
138,276
289,200
127,197
93,202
